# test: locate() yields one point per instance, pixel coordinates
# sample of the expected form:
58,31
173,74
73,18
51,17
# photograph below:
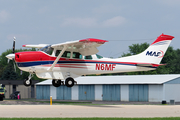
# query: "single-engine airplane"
66,61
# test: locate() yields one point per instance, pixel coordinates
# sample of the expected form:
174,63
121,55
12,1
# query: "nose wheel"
28,82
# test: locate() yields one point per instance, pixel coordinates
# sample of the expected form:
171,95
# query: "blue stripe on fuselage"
37,63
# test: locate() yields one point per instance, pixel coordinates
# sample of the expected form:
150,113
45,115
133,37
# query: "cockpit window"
98,56
77,55
47,49
89,57
66,54
57,52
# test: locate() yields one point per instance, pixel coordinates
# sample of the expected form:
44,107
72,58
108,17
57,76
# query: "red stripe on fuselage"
65,66
33,56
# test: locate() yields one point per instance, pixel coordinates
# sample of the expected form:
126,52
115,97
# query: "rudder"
154,53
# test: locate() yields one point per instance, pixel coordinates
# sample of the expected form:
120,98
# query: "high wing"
39,46
85,47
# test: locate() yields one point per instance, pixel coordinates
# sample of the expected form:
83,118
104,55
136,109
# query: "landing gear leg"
28,82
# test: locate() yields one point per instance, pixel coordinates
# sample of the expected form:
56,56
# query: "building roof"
123,79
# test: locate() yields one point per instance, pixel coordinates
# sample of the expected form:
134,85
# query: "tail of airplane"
154,53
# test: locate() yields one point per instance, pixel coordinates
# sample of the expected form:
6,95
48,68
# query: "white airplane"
66,61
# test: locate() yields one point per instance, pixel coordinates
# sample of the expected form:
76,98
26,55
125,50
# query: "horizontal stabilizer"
149,65
144,65
39,46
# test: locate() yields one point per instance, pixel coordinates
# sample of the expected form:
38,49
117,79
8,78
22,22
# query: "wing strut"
57,59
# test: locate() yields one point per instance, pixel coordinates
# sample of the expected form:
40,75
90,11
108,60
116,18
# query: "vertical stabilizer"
154,53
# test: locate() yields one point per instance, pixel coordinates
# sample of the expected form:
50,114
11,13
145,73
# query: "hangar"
17,85
147,88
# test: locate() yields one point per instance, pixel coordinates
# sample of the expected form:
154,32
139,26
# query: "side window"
98,56
89,57
67,54
77,55
57,52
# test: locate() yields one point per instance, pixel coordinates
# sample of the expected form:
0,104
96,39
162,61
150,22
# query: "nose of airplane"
10,56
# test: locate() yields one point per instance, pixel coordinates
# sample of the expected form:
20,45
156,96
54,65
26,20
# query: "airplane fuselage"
38,62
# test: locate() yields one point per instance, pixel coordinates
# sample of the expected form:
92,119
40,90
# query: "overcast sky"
121,22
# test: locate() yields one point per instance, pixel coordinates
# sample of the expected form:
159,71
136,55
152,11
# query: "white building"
152,88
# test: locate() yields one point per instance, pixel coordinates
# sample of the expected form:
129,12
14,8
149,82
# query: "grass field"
169,118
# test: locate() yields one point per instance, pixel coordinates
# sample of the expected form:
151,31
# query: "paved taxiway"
41,111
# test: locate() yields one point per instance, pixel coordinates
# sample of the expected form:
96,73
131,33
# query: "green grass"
169,118
64,102
58,102
54,102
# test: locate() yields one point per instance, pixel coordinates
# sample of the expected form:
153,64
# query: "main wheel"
69,82
27,82
56,83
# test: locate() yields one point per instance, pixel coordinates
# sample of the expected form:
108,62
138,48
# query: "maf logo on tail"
159,54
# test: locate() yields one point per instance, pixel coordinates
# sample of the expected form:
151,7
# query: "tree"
136,49
9,73
168,59
174,62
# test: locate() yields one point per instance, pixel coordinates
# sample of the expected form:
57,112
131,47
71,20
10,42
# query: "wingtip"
93,40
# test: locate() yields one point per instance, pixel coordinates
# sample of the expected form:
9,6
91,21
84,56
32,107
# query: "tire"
27,83
69,82
56,83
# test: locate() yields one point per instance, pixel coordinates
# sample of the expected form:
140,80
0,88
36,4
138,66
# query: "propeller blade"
14,66
12,55
13,50
8,61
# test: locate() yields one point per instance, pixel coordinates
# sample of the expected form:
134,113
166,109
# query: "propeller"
12,55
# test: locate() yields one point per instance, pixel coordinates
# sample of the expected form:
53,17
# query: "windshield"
47,49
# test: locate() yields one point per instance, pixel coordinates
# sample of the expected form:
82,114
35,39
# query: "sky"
121,22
